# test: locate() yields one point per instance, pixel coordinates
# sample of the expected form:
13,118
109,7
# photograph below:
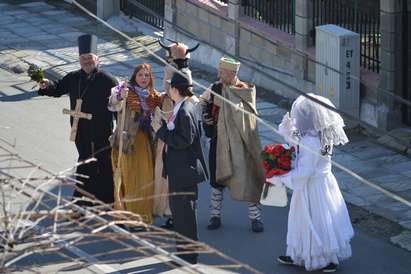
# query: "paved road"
42,132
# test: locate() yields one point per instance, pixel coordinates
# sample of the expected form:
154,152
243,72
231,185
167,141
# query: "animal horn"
193,48
172,41
164,46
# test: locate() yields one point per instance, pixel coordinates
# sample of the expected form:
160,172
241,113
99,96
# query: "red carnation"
277,159
285,161
275,172
269,149
278,150
266,165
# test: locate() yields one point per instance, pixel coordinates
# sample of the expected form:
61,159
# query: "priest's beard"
89,68
89,63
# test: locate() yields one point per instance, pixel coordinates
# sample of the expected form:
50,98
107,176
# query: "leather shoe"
169,224
214,223
257,226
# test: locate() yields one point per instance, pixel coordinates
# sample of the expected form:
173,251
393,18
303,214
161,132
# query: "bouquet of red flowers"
277,159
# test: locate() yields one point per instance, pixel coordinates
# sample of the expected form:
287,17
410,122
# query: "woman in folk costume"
137,163
319,226
161,207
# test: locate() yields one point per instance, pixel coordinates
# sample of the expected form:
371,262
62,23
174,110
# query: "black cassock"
92,135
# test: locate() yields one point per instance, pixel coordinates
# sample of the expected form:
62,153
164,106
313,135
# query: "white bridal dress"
319,226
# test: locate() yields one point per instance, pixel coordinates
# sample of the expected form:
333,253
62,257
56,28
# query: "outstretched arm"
55,89
118,93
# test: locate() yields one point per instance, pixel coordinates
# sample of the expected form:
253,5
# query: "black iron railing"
91,5
361,16
406,60
141,9
277,13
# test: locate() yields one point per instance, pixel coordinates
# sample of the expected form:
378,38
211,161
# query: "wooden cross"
76,114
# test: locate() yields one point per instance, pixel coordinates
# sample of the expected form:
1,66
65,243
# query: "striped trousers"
254,210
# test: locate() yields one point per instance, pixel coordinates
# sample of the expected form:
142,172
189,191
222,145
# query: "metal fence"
91,5
361,16
406,60
277,13
141,9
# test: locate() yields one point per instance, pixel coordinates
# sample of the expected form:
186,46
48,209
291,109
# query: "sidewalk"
45,35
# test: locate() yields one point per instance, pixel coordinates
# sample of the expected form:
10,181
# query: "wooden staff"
117,174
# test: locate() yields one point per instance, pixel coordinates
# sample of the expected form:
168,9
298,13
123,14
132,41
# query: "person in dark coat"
89,89
183,160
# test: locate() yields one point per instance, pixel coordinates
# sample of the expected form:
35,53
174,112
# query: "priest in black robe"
92,87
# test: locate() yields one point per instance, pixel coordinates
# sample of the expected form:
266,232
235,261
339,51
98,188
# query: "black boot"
214,223
169,224
331,267
257,226
285,260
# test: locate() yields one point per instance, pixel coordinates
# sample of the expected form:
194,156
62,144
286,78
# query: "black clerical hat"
87,43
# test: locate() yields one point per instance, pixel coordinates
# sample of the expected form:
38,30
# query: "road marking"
82,254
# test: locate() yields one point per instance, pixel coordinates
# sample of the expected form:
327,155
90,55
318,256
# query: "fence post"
169,13
170,7
107,8
304,24
406,63
389,114
234,14
304,30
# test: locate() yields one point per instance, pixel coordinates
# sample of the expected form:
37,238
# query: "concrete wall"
287,58
108,8
251,41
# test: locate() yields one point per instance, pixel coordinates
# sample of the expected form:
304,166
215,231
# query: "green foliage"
36,74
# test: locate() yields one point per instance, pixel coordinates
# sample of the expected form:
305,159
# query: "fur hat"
229,64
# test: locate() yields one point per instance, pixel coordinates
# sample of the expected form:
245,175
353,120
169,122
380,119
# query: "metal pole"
405,62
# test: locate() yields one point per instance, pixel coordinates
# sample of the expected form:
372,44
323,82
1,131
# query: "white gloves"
275,180
287,129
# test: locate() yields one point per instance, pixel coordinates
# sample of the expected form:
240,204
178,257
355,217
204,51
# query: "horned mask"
178,53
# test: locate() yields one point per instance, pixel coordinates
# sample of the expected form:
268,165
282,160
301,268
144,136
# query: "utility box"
337,71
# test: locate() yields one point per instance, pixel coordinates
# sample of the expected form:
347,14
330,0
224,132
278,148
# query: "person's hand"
275,180
287,129
194,99
124,91
44,84
207,120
